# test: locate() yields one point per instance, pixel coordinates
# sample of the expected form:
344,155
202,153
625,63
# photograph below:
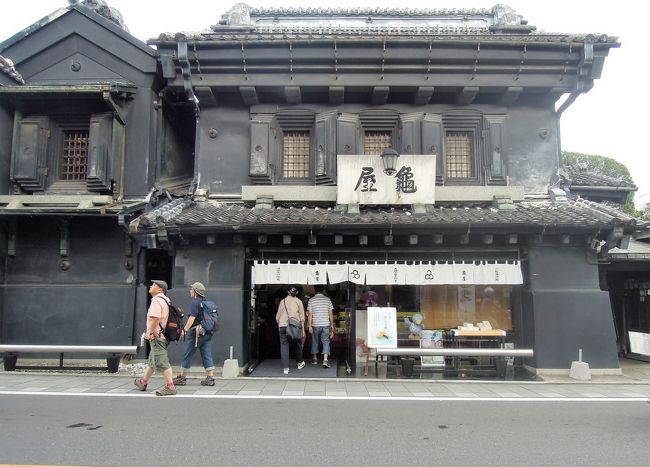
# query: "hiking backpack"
174,327
210,316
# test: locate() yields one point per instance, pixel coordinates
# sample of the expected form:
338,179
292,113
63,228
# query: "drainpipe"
187,85
584,68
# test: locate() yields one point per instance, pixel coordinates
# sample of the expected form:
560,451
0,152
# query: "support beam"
510,95
467,95
206,96
423,95
337,95
249,95
553,95
380,95
292,94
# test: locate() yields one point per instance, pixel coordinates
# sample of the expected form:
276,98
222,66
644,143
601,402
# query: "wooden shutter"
100,152
347,134
260,168
432,142
496,164
325,148
30,153
410,129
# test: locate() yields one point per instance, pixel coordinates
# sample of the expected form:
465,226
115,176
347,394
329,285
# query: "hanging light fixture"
389,159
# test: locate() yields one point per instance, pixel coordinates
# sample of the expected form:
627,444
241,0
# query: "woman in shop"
290,306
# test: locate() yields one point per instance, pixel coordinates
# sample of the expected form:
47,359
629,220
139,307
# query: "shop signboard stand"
382,330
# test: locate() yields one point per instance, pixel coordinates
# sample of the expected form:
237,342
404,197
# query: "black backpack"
174,328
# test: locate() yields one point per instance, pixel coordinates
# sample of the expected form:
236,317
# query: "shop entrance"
266,349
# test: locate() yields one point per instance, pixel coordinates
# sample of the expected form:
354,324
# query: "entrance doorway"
265,339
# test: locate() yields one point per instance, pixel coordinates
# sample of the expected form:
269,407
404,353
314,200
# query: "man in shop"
320,324
157,316
290,306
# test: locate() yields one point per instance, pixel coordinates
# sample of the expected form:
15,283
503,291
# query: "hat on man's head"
161,284
199,288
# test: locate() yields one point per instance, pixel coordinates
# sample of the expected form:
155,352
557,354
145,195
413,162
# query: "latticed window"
375,142
74,163
460,154
295,154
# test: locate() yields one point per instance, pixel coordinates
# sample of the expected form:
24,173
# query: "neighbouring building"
411,156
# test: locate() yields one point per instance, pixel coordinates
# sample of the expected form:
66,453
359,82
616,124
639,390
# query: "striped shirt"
320,306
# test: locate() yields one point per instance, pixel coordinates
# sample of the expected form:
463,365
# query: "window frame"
286,121
471,122
281,178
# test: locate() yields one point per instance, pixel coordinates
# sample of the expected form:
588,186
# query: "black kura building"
249,156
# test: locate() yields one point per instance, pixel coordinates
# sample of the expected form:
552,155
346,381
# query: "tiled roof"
499,23
580,178
361,11
239,216
7,67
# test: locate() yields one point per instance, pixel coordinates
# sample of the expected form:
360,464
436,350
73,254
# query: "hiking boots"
209,381
138,384
180,380
166,391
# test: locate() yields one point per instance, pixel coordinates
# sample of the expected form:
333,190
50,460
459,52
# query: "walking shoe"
180,380
166,391
301,365
139,385
314,362
286,371
209,381
326,364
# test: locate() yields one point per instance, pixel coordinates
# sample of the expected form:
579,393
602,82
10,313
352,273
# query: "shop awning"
389,273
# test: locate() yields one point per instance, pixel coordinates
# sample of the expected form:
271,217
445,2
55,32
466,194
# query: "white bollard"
580,370
230,366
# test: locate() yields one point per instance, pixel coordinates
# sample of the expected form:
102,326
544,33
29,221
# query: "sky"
610,120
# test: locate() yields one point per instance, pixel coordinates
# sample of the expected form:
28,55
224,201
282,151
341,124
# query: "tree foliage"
603,165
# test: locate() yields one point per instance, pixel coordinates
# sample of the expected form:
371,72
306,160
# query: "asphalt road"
92,430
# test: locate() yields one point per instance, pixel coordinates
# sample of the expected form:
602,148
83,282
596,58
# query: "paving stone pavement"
121,384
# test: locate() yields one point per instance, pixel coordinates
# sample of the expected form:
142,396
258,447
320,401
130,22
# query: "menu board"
382,327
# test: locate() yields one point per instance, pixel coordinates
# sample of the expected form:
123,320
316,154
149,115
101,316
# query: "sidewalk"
634,384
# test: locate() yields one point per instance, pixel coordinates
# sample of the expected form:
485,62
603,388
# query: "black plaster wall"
567,310
91,303
220,268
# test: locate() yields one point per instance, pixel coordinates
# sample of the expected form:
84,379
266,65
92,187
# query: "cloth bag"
294,329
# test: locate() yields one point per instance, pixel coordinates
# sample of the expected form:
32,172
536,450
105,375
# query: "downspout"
584,68
184,62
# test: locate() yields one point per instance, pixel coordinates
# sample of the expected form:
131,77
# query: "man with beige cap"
157,316
193,341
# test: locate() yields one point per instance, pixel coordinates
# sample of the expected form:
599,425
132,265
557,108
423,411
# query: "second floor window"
296,154
74,162
460,154
375,142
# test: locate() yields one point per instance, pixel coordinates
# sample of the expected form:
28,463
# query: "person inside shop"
320,324
290,306
369,297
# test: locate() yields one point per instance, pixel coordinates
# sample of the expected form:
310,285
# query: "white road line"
350,398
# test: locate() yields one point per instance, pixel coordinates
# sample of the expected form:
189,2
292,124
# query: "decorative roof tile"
7,67
242,217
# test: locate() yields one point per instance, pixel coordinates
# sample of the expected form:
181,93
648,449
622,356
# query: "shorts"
158,358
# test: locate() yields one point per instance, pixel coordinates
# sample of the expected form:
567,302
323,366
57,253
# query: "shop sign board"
382,327
361,180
